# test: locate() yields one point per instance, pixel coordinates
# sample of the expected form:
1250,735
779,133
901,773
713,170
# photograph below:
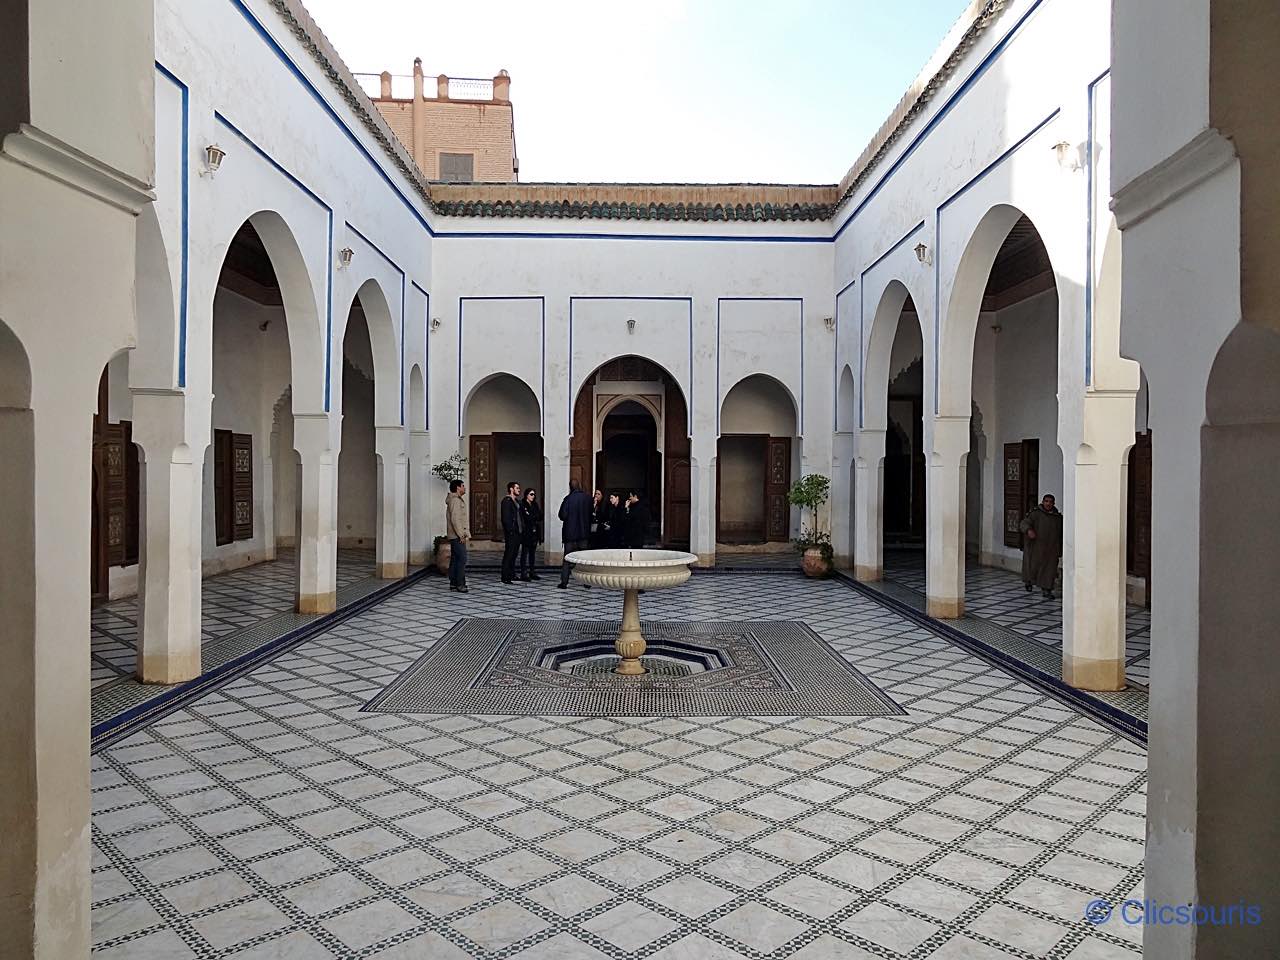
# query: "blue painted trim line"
426,357
719,398
319,98
659,299
280,169
1089,240
400,270
129,722
974,76
937,228
184,258
542,400
1128,726
835,398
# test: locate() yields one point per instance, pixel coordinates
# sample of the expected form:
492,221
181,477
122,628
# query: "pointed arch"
846,402
875,371
383,342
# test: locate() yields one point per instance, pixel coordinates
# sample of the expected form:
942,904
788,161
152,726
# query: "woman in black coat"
599,522
531,535
637,525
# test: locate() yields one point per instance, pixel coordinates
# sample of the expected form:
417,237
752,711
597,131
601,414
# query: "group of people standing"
588,522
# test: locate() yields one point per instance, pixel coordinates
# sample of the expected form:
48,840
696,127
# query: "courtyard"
276,817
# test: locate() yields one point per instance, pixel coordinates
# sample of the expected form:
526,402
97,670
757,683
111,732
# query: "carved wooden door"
1014,494
482,488
777,483
677,488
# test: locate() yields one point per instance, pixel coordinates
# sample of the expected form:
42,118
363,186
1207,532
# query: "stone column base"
553,559
392,571
865,574
169,667
419,558
317,602
1086,674
706,559
945,609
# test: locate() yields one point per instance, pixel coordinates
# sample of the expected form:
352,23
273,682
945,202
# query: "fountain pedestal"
631,571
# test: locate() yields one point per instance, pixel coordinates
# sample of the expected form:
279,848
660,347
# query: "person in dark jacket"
531,514
575,517
512,528
616,524
599,516
636,527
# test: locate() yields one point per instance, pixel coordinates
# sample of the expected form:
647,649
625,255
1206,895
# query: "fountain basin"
631,571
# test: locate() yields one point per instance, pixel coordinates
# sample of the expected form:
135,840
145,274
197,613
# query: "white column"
1093,597
315,439
702,508
420,490
555,448
393,503
868,509
945,505
842,499
172,501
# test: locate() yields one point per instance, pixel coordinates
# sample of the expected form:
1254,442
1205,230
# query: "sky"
665,91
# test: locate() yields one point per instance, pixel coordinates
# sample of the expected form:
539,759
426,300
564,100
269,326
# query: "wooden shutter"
777,483
580,465
677,489
1031,474
115,499
482,488
1015,494
222,527
132,467
242,486
1139,532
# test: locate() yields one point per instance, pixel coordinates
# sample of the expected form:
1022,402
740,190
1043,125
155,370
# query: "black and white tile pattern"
274,818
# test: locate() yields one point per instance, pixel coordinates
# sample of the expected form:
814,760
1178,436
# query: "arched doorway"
502,443
630,431
757,456
904,459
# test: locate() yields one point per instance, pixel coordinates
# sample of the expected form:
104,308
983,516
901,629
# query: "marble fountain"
631,571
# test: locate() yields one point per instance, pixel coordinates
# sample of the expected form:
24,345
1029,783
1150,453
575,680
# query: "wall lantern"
830,323
1068,155
344,257
922,253
213,156
435,324
631,324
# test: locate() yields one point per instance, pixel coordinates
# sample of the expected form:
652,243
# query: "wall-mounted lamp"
923,254
344,257
829,323
631,324
213,156
435,324
1068,155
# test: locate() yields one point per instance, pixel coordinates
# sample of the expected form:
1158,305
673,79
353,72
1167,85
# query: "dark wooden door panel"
1014,494
677,488
483,485
242,486
777,483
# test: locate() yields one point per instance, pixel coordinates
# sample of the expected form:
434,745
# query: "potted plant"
449,469
443,553
810,492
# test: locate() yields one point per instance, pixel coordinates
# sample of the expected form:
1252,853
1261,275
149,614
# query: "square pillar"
420,490
702,509
170,560
842,499
868,507
945,507
1093,560
317,523
393,503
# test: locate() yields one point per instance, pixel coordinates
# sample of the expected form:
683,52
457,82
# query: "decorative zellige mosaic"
509,667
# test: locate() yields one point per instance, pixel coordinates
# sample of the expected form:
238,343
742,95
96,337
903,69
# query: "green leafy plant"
810,492
453,468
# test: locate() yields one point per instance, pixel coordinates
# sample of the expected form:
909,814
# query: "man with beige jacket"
458,529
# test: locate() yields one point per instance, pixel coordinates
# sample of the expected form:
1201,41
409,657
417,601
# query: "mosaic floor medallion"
564,669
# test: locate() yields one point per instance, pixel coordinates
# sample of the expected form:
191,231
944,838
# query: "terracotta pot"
444,553
814,564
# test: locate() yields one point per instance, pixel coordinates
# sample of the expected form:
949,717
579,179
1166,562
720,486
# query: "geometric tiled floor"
997,595
228,602
272,818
